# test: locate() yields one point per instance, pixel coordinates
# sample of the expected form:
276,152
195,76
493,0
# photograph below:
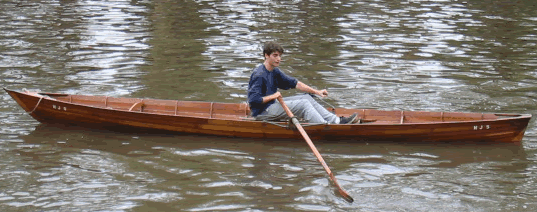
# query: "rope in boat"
290,125
36,105
324,102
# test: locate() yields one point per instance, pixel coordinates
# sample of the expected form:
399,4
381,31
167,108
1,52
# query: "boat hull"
510,128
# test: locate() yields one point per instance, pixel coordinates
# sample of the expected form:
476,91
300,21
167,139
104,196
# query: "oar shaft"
314,149
310,143
304,134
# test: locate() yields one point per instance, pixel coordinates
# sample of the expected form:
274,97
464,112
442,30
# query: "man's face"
274,58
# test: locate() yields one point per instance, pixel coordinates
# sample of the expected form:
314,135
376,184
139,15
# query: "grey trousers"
302,106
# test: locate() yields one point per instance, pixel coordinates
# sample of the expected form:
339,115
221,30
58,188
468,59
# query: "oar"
317,154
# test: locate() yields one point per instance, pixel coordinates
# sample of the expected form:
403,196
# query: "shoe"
349,120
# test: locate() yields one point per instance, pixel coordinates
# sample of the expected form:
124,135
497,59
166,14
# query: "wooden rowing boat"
232,119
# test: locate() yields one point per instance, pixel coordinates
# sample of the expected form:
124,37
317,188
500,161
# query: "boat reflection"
140,143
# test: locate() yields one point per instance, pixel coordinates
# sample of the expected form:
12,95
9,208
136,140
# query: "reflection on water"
78,166
112,47
414,55
92,46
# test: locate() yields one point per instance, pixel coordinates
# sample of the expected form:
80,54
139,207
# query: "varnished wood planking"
230,119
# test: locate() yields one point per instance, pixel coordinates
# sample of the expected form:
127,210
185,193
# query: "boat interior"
241,111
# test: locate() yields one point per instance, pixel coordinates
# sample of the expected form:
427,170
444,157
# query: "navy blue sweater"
264,83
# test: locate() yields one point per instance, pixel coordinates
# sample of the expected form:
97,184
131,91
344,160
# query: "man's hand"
272,97
303,87
322,93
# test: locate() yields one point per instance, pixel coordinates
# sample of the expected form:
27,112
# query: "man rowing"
263,92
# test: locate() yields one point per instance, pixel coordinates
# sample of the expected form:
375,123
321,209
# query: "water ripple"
411,55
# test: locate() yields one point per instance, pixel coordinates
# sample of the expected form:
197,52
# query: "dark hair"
271,47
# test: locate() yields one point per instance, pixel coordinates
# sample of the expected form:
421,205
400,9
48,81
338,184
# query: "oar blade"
342,192
346,196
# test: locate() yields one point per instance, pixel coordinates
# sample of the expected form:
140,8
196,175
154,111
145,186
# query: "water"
473,56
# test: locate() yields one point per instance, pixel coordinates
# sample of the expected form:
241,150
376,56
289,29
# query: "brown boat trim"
176,106
211,111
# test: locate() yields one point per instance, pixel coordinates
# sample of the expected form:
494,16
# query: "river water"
443,55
